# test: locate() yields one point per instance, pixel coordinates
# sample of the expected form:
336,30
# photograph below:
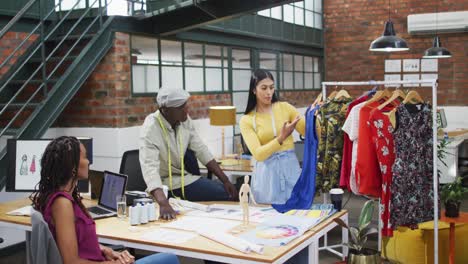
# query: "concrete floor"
351,203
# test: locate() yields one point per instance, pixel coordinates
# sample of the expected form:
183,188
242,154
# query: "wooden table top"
461,219
115,229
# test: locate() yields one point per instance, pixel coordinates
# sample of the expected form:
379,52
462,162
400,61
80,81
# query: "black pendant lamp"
388,42
437,51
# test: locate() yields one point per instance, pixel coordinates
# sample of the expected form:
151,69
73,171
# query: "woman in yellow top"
266,127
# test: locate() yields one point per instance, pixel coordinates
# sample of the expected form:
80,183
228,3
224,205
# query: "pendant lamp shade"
388,42
437,51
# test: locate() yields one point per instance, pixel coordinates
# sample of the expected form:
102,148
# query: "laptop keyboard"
98,211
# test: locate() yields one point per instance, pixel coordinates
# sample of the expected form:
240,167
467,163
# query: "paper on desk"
192,223
234,212
169,236
26,211
231,241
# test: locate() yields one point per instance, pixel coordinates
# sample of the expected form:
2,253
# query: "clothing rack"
433,83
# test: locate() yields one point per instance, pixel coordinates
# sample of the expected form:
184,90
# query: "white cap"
336,191
169,97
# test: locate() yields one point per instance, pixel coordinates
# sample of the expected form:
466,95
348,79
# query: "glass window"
309,4
265,13
171,52
318,20
268,60
316,64
298,63
240,58
308,64
288,80
240,100
298,80
308,81
193,54
287,62
226,80
213,80
317,80
298,16
194,79
213,55
318,6
309,19
144,50
241,80
299,4
276,12
288,13
171,77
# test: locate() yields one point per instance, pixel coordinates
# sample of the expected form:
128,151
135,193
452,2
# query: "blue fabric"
302,195
274,178
203,189
160,258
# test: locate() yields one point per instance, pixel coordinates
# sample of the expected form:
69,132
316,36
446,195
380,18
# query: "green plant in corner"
360,234
452,194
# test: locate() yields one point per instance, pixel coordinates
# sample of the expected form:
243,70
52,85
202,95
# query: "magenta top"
88,246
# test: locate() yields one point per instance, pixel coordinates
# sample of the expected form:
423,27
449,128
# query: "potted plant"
452,194
358,252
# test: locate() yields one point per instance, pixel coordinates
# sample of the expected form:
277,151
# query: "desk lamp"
222,116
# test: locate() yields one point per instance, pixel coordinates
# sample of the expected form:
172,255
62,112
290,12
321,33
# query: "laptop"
113,184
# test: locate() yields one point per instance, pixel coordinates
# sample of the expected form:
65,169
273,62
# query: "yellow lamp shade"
222,115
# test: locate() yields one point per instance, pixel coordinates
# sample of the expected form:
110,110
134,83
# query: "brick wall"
350,27
299,99
105,99
8,44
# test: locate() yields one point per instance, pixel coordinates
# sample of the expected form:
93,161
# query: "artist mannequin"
244,193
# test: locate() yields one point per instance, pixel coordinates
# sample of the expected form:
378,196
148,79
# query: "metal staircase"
40,80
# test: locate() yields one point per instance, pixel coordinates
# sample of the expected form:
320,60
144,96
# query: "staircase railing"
43,37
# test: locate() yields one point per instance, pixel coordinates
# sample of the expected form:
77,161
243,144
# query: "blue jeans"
159,258
203,189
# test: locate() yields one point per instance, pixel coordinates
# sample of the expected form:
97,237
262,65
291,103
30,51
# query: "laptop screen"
113,184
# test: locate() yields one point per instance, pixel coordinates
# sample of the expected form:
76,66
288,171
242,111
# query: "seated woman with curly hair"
63,163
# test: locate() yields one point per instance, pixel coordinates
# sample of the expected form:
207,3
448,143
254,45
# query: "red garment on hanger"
348,148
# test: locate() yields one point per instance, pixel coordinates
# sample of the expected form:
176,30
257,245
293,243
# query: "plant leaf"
366,214
341,223
369,231
354,232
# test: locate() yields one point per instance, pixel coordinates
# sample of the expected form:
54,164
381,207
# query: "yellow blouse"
261,141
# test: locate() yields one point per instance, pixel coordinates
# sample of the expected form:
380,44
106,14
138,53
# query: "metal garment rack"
433,83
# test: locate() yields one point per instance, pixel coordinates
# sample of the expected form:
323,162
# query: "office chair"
130,165
41,246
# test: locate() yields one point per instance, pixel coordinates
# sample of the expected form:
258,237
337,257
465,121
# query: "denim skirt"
275,177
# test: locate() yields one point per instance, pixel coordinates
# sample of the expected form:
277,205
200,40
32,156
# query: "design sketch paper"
192,223
28,163
429,65
411,65
169,236
26,211
234,212
429,76
411,77
392,65
392,77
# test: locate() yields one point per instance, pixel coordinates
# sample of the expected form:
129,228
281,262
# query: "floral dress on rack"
412,199
382,138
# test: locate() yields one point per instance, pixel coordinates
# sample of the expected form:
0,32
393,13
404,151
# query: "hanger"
413,97
333,94
342,93
317,100
398,93
382,94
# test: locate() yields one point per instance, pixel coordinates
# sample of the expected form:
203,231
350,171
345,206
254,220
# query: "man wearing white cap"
170,130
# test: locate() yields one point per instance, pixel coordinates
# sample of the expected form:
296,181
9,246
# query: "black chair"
130,165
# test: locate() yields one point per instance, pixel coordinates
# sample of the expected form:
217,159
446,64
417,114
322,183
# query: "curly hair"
59,164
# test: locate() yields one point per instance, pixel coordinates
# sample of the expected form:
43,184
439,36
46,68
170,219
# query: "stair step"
10,131
19,105
34,81
72,37
53,59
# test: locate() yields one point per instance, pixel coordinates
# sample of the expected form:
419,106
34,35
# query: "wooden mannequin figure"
244,193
